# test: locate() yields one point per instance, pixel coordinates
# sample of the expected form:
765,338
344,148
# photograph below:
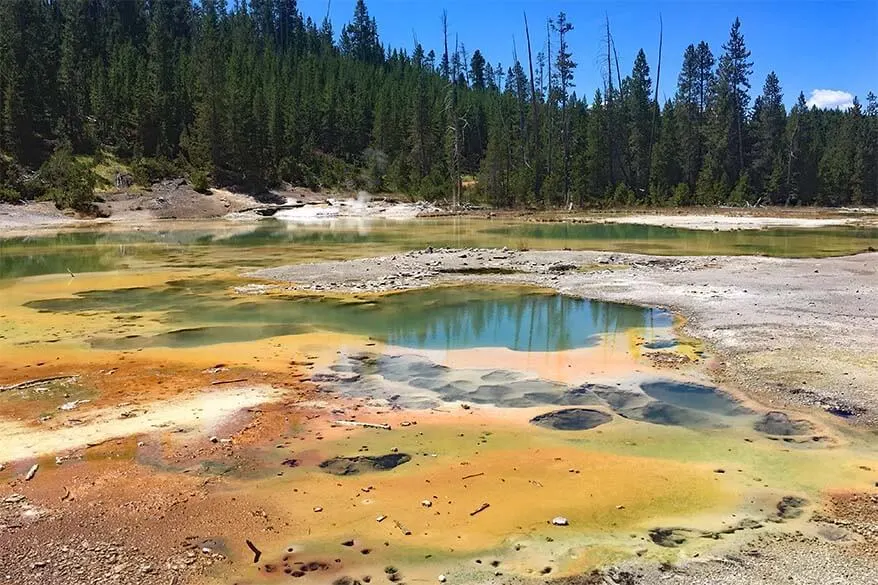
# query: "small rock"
426,503
442,578
560,521
318,509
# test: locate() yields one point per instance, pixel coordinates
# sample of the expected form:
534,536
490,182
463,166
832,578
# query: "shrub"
9,195
147,171
682,195
742,193
624,195
199,181
70,184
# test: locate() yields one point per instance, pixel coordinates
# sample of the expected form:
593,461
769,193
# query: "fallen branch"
355,423
481,508
473,475
257,554
28,383
32,472
218,382
402,528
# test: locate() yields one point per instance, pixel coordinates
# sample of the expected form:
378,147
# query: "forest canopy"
252,93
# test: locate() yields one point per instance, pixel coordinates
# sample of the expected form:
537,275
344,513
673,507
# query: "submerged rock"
660,413
790,507
779,423
668,537
364,463
708,399
619,399
572,419
336,376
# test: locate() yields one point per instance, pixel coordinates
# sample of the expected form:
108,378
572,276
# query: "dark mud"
364,464
572,419
780,424
791,507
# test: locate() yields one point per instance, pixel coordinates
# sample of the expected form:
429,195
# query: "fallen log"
473,475
235,381
356,423
29,383
257,554
481,508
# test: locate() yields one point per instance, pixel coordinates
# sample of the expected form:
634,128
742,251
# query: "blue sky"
811,45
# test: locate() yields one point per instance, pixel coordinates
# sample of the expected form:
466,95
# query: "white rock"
560,521
426,503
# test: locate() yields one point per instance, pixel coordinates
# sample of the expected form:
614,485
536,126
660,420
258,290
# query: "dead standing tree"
655,105
457,123
535,134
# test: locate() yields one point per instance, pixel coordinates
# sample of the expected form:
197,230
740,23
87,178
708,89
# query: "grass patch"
105,166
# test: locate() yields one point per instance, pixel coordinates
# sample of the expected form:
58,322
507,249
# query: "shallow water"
271,242
441,318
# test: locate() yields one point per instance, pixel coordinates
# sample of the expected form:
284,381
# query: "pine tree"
666,172
359,38
477,71
734,82
639,110
564,67
769,118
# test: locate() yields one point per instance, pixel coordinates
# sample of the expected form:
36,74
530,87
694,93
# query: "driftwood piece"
257,554
219,382
473,475
32,472
356,423
35,382
481,508
402,528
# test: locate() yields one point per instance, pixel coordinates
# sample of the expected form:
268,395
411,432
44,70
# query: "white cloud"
830,99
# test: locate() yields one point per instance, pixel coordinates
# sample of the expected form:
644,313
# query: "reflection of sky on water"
530,323
197,313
